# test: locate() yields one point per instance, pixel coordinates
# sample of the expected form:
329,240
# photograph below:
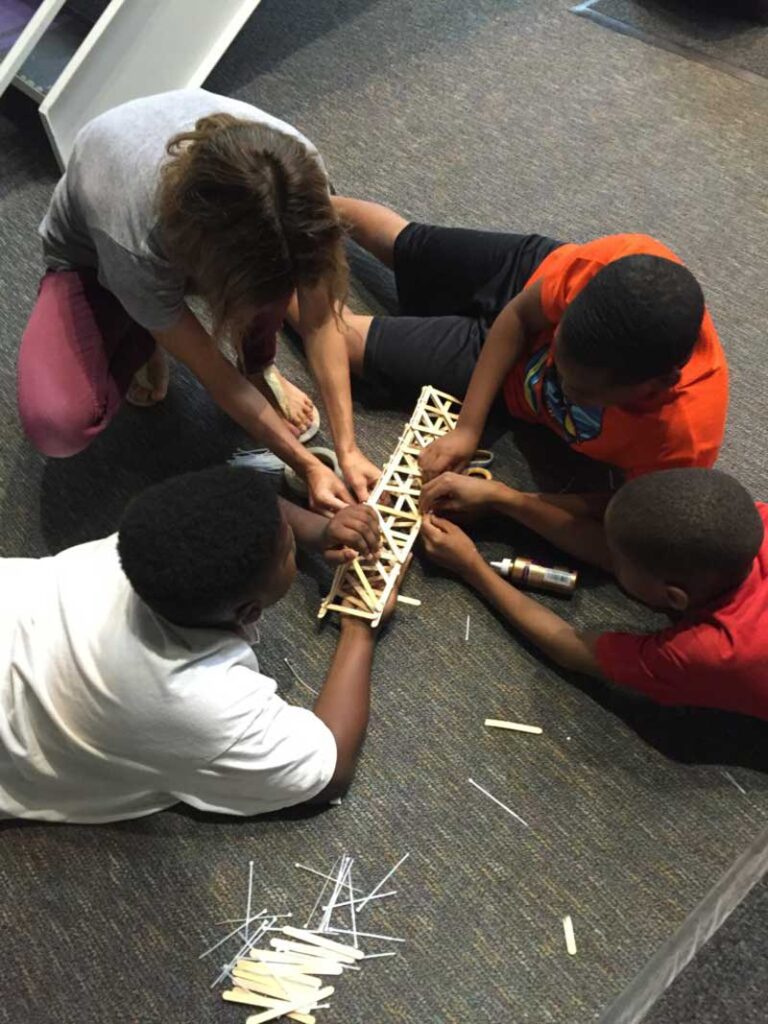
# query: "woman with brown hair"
188,193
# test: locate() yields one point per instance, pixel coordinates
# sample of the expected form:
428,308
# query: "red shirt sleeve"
654,664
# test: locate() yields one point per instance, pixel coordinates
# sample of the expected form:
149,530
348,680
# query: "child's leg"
373,226
78,354
445,271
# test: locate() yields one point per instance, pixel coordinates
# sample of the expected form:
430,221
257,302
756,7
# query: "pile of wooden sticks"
286,975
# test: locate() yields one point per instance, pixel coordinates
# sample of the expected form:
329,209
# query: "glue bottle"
528,573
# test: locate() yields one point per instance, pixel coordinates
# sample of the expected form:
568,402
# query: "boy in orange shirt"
690,542
608,344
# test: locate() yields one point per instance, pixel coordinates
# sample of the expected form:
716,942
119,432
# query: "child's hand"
450,452
359,472
327,494
448,545
353,531
452,492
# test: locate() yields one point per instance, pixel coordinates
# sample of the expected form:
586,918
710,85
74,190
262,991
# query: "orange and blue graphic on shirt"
578,423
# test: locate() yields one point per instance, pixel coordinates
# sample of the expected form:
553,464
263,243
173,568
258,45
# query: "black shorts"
452,283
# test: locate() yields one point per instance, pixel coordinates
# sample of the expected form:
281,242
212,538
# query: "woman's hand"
452,492
353,531
359,472
327,494
451,452
448,545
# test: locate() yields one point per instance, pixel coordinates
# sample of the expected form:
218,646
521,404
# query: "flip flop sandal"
273,381
482,457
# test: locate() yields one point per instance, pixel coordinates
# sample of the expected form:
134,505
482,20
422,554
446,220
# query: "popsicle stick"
287,1008
316,965
496,723
412,601
293,973
281,990
570,938
275,1007
285,945
323,943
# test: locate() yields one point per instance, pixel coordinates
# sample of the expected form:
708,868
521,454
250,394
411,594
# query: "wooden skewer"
495,723
323,943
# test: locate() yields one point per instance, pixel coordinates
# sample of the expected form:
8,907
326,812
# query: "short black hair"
681,523
196,545
638,318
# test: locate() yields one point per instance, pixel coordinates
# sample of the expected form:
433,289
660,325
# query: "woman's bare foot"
296,406
150,384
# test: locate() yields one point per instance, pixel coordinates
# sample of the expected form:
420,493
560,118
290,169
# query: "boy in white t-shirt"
126,680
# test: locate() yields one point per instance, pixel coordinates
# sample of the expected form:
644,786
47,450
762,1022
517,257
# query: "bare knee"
373,226
355,329
58,433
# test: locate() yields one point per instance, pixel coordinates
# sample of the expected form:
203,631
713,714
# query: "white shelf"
136,48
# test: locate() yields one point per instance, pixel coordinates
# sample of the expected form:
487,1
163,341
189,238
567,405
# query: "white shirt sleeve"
284,756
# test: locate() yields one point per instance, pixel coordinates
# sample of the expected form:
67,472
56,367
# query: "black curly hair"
195,546
638,318
680,523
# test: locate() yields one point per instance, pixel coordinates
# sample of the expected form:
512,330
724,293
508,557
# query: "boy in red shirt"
690,542
608,344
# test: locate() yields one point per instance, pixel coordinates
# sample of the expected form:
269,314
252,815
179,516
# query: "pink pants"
79,353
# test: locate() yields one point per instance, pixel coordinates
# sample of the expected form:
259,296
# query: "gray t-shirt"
102,213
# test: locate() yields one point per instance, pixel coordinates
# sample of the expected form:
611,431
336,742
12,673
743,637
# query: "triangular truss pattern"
362,588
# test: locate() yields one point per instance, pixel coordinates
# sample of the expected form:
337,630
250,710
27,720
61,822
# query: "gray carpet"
730,33
497,113
728,981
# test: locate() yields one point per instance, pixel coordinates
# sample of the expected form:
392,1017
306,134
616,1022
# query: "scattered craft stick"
495,723
466,631
409,600
376,956
503,806
323,943
570,938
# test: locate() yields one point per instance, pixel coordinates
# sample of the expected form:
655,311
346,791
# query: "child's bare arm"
574,522
519,321
450,547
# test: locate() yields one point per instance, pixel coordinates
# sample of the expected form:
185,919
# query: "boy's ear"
249,612
677,598
666,380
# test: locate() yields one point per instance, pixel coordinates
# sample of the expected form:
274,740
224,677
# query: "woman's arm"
190,343
326,351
